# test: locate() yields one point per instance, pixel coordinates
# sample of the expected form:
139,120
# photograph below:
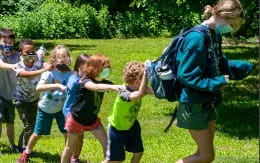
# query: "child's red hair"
95,65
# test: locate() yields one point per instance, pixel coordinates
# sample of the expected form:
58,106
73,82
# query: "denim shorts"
7,111
121,140
44,122
195,116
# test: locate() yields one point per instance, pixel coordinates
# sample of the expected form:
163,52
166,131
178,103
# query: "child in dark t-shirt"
84,112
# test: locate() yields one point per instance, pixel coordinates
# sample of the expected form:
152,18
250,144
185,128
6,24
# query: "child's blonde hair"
133,71
225,9
95,64
59,52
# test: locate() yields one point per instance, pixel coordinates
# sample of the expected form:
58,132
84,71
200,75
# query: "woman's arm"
192,65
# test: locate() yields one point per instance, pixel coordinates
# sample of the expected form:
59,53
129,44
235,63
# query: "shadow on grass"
50,45
239,114
51,158
239,120
240,52
5,149
46,156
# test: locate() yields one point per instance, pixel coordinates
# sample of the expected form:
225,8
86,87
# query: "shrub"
137,24
60,20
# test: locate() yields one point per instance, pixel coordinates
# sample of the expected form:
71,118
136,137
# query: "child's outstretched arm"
30,74
6,66
101,87
142,91
44,85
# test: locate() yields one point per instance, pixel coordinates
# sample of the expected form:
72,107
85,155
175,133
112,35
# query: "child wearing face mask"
25,97
8,58
84,112
52,84
203,71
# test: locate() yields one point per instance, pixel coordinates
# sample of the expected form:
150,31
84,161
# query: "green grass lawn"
236,138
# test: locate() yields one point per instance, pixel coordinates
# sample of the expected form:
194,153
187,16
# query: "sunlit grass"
237,131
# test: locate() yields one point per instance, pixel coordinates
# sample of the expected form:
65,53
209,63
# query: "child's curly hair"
133,71
95,64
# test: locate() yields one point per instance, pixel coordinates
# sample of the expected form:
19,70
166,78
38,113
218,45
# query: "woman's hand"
227,78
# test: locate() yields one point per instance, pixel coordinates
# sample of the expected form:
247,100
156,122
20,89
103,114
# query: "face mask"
29,58
62,67
223,28
105,73
6,49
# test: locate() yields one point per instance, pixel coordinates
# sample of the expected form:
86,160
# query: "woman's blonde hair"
133,71
95,64
225,9
59,52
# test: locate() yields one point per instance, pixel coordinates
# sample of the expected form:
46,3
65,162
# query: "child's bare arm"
29,74
45,87
101,87
142,89
6,66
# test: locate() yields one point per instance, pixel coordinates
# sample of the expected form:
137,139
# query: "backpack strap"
173,46
205,32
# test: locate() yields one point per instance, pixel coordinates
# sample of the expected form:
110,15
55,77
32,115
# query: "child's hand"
149,91
226,77
117,87
62,87
47,66
147,64
14,67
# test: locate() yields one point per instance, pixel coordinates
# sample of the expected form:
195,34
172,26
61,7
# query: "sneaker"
24,158
74,160
20,149
14,148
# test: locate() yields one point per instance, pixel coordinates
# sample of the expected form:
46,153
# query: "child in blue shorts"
53,85
124,132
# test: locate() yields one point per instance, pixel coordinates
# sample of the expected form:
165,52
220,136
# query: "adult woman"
203,73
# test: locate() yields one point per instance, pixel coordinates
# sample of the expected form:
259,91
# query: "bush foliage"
58,19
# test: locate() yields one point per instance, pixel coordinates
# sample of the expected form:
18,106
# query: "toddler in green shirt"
124,132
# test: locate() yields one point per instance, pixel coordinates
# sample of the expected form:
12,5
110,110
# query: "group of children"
73,98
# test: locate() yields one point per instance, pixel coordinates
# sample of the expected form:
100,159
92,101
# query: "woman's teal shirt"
197,69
